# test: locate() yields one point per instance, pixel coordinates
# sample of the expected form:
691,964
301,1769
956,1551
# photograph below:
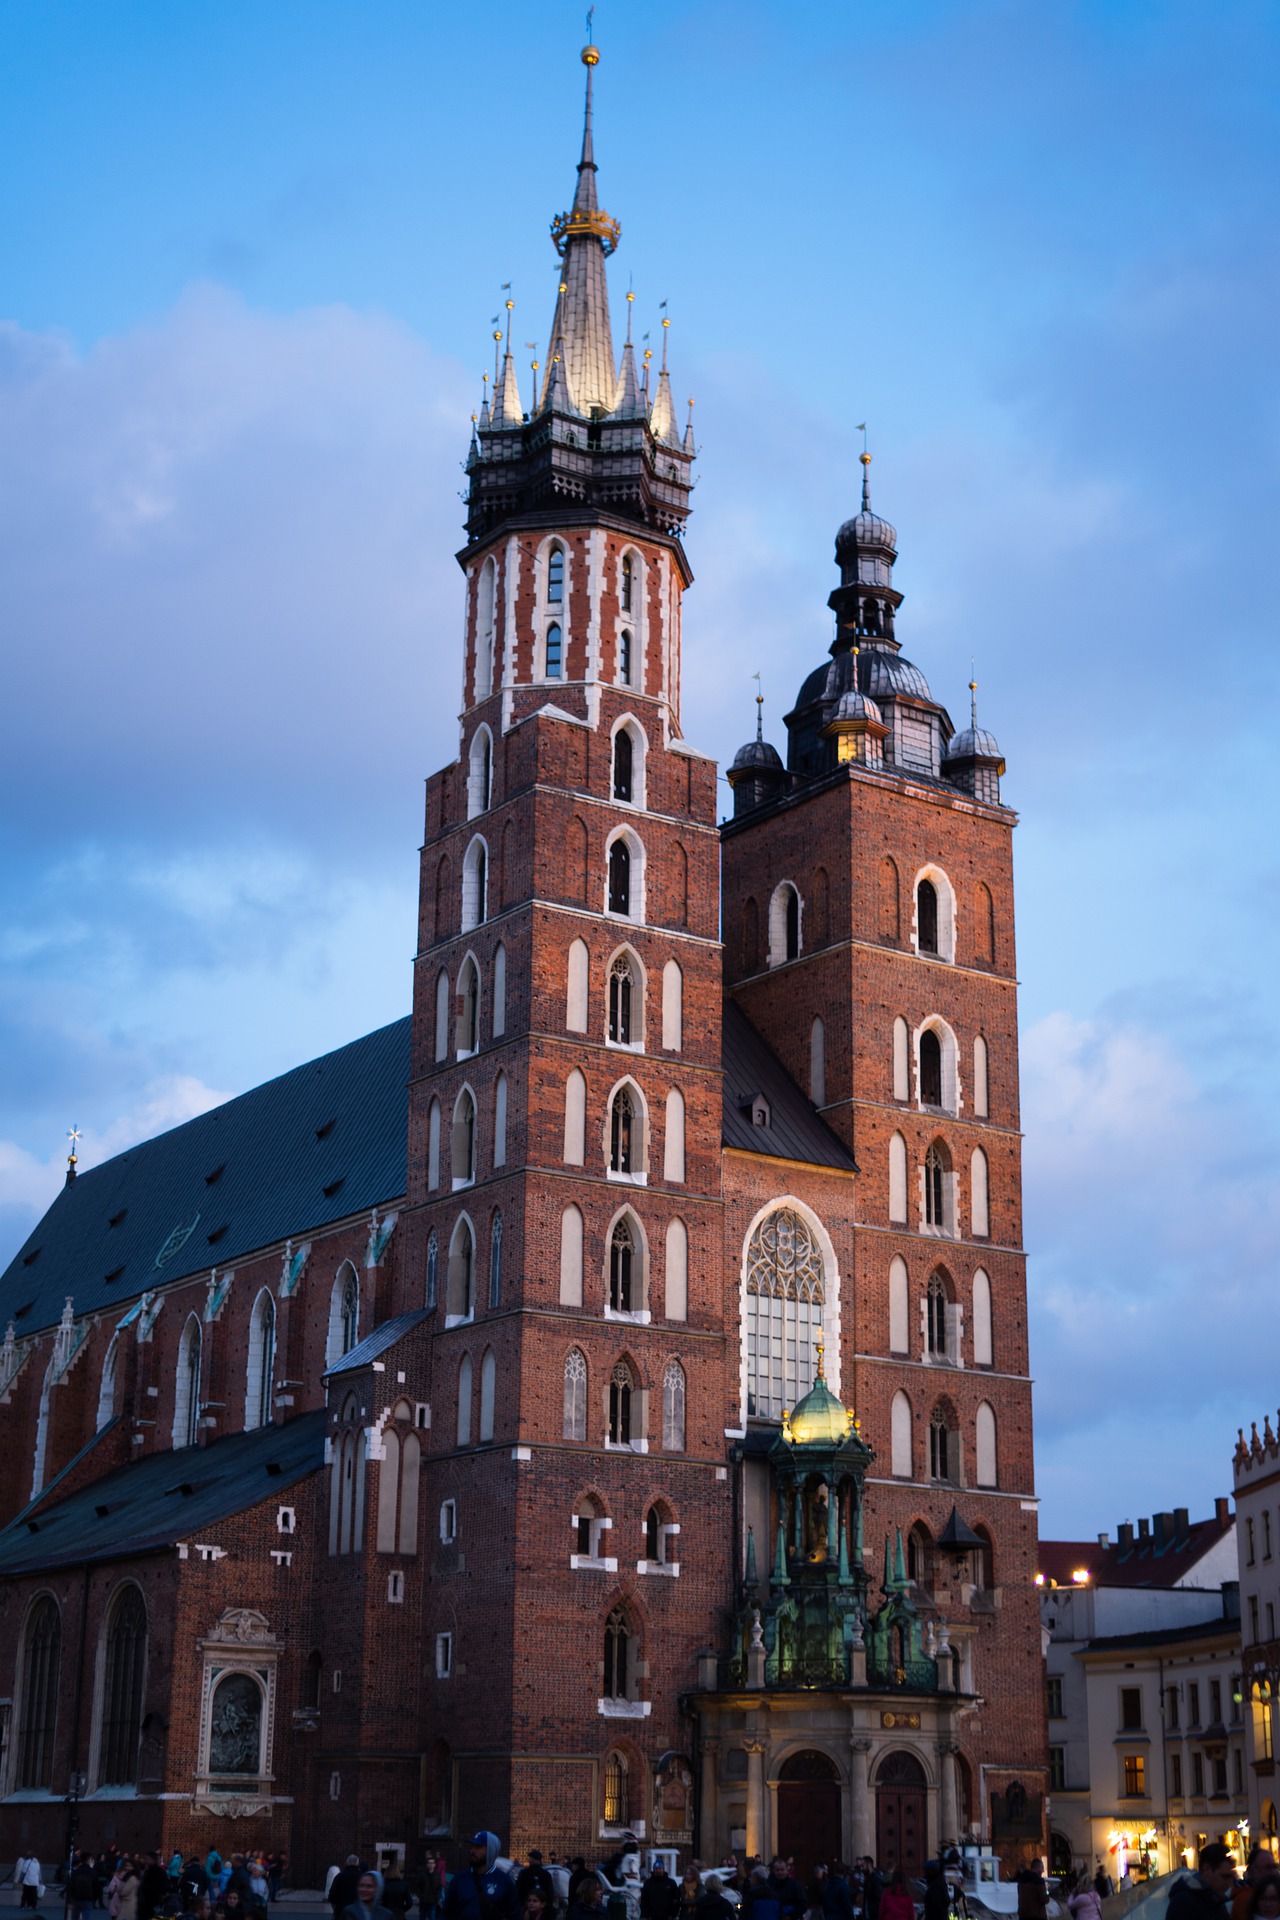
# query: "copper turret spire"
584,237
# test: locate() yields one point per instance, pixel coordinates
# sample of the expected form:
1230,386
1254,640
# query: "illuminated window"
1135,1774
616,1804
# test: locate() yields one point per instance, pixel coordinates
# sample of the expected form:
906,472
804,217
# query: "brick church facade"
598,1401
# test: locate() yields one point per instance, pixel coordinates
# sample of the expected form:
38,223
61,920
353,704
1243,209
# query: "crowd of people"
149,1886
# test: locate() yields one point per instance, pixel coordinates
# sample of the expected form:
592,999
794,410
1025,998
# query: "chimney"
1182,1521
1144,1529
1104,1539
1163,1524
1222,1510
1124,1536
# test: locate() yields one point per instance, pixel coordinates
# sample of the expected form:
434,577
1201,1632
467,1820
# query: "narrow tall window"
464,1401
677,1300
495,1263
442,1015
575,1396
38,1706
934,1188
555,652
500,1121
620,985
620,877
616,1803
433,1269
459,1297
622,1130
818,1063
433,1146
575,1119
793,924
186,1401
936,1319
621,1269
927,917
488,1394
941,1449
623,757
262,1360
617,1657
464,1139
467,1037
499,992
555,575
901,1444
673,1396
930,1069
624,657
620,1406
628,581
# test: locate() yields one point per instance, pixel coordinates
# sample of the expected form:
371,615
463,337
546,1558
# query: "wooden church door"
900,1815
809,1824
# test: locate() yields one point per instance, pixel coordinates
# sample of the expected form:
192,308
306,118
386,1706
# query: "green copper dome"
819,1420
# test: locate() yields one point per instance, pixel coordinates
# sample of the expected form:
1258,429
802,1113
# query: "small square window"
444,1655
448,1521
422,1414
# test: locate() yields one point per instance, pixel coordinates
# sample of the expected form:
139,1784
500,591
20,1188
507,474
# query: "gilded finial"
73,1135
759,708
786,1423
590,53
973,700
821,1345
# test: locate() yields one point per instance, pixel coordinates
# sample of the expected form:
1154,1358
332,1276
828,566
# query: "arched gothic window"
433,1146
460,1297
186,1397
621,993
350,1310
619,1657
784,924
793,924
124,1668
555,652
628,581
617,1803
935,1188
575,1396
673,1396
944,1452
930,1069
620,1391
927,917
784,1301
623,1133
622,1261
467,1035
38,1704
620,877
920,1557
475,885
936,1318
623,755
625,651
555,575
262,1361
463,1139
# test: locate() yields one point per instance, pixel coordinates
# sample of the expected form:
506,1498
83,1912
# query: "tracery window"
575,1396
616,1804
123,1673
673,1399
186,1398
622,1261
262,1361
495,1263
620,1391
38,1707
934,1188
433,1268
784,1303
619,1661
936,1318
350,1310
628,581
944,1459
625,650
622,1133
621,990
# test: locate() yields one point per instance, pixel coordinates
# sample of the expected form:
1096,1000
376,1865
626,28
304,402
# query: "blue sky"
248,255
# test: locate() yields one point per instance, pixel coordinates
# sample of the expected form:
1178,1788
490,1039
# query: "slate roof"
378,1341
796,1131
1149,1562
1229,1625
168,1496
322,1142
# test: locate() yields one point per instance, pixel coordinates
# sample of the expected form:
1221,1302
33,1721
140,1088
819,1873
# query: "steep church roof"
165,1497
793,1130
322,1142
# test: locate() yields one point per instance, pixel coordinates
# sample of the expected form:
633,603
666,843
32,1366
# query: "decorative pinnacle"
865,458
973,702
821,1345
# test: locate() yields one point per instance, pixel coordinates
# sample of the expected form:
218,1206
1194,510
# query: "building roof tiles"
795,1130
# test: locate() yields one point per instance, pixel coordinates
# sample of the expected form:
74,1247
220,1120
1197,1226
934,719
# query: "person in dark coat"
937,1894
837,1895
154,1887
397,1894
344,1885
660,1894
588,1902
482,1891
776,1897
80,1889
1203,1895
536,1875
713,1905
578,1872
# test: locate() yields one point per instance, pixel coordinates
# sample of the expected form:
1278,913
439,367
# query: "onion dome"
975,743
972,760
888,675
819,1420
755,756
866,530
756,772
854,706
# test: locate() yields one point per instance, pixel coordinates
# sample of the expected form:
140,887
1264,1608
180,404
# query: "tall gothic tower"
564,1147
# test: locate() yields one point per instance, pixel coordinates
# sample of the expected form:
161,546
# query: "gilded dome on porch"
820,1420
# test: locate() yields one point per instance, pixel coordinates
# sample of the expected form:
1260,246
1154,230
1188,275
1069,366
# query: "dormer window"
555,576
759,1109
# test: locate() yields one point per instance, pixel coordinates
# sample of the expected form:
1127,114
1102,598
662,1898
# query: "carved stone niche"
235,1750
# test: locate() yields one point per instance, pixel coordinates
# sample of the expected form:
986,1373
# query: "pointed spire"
484,404
629,400
780,1577
584,238
662,420
507,411
865,458
973,700
689,447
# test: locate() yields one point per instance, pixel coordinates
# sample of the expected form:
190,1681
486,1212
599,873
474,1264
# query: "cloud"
221,571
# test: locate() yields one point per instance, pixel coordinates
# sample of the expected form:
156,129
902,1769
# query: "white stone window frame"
635,621
468,1053
241,1643
635,914
777,952
628,723
485,602
479,789
448,1521
639,994
459,1182
460,1319
668,1565
475,897
946,914
638,1175
595,1561
551,613
444,1656
949,1229
949,1047
831,1282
